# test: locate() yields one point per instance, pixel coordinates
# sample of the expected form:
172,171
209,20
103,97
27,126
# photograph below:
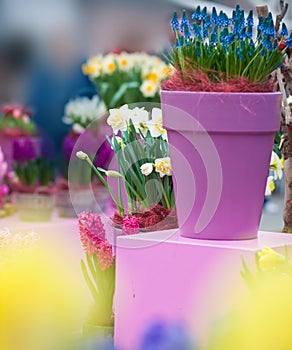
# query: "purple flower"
162,337
24,149
68,145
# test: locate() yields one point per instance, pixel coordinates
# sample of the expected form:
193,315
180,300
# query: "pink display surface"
220,148
162,276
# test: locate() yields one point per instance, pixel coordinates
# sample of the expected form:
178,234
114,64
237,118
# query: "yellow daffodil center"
87,69
153,77
111,67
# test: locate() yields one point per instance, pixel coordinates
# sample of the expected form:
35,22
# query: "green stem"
89,282
165,196
119,207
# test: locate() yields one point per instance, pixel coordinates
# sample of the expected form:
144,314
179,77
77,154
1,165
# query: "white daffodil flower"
93,66
119,117
270,186
155,124
125,61
109,65
163,166
140,118
277,166
146,169
148,88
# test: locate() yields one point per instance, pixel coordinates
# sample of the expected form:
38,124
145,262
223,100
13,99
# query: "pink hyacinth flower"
105,255
91,231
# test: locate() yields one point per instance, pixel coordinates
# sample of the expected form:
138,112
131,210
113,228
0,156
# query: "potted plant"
99,273
32,182
141,149
127,77
86,117
15,122
221,114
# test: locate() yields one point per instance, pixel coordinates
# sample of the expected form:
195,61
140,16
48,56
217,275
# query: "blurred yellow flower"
269,260
152,76
87,69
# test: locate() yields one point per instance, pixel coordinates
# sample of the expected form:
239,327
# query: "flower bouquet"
15,122
221,113
99,273
32,182
82,111
143,167
127,77
85,116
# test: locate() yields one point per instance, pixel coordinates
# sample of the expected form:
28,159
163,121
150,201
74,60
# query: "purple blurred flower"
24,149
166,337
68,145
104,155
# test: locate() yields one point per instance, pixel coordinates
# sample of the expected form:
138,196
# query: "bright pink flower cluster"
92,235
130,225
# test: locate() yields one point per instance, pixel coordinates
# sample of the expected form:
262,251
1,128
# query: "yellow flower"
167,71
152,76
87,69
269,259
163,166
93,66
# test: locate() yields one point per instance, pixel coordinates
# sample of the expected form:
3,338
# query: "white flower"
149,89
109,64
270,186
277,166
140,118
289,99
83,111
78,129
163,166
119,117
125,61
93,67
155,124
146,169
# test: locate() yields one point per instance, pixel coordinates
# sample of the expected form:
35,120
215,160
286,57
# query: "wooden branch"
279,18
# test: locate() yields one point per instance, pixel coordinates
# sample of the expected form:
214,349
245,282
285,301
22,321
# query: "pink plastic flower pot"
220,149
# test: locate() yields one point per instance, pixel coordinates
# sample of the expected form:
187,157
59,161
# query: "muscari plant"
226,48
